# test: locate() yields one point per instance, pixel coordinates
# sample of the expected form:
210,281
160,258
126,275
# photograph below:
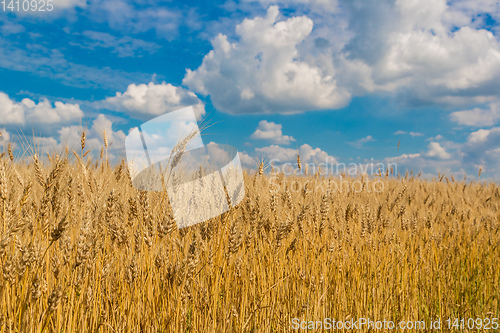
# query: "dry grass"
83,251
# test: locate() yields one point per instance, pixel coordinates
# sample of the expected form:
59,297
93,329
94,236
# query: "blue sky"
338,81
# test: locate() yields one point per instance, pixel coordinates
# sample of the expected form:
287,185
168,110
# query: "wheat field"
83,251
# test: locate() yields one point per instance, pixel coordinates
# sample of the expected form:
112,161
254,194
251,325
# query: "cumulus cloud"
246,160
28,112
437,151
308,154
261,71
5,135
270,131
424,52
70,136
479,136
428,167
278,153
315,155
142,101
478,116
482,149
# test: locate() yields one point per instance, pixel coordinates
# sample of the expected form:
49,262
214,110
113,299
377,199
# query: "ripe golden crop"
83,251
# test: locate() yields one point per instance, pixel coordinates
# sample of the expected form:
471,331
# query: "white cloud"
5,135
478,117
437,151
359,143
410,133
70,136
28,112
428,167
413,51
278,154
246,160
136,18
272,132
484,139
308,154
482,150
45,145
467,12
262,72
116,139
478,136
438,137
315,155
402,157
152,100
315,5
425,52
65,4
